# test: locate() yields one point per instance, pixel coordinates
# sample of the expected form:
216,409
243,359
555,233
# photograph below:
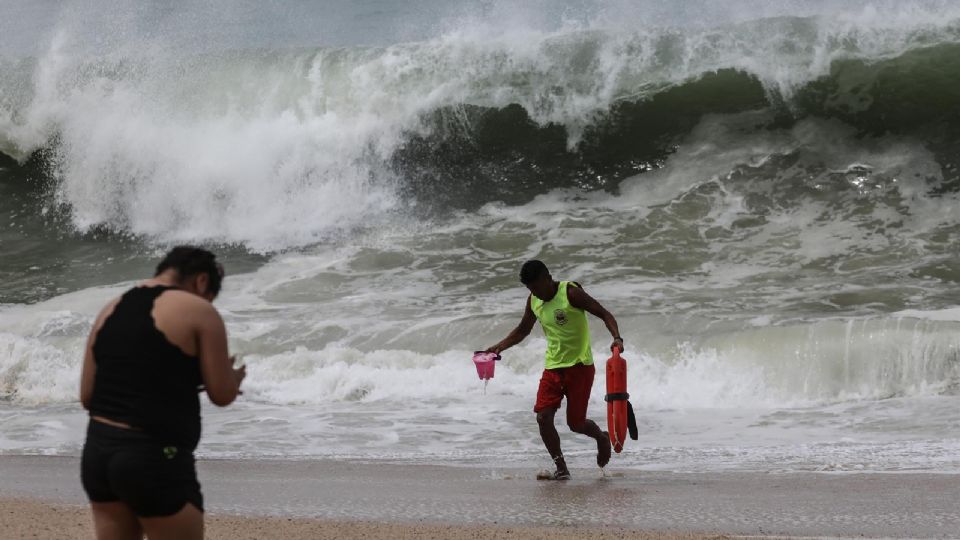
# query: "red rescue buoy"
616,399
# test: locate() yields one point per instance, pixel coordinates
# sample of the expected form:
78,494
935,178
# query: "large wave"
276,148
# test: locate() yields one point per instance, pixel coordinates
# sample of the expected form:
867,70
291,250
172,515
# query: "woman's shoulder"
185,304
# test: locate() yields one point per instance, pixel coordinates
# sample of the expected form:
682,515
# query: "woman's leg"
115,521
187,524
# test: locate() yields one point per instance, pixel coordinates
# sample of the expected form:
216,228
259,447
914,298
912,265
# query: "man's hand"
617,344
495,349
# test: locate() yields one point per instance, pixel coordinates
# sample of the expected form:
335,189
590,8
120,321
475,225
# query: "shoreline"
447,501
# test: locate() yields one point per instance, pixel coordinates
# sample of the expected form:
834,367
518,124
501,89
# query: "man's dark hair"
190,261
531,270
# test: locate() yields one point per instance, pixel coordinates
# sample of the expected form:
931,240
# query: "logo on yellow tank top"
560,316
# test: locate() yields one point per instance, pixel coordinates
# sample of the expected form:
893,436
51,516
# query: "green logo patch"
169,452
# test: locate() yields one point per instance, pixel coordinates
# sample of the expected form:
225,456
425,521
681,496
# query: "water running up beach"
765,193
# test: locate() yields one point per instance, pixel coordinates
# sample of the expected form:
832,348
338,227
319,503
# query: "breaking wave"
277,148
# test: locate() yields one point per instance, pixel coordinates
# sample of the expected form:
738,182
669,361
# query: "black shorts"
129,466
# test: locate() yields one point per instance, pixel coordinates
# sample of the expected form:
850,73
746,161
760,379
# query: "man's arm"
581,300
519,333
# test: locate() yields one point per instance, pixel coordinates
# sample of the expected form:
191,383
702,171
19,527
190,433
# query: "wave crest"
312,142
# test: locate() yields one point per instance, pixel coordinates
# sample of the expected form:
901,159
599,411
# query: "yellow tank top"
566,328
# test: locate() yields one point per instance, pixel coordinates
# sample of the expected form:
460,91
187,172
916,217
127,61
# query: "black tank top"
142,379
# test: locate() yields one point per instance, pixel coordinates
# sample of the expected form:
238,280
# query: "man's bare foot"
603,450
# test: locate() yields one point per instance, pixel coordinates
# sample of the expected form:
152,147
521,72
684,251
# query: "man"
560,307
149,353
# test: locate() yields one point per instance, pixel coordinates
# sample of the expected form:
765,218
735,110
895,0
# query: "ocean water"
765,194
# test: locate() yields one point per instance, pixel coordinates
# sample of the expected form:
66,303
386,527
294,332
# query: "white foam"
949,315
776,366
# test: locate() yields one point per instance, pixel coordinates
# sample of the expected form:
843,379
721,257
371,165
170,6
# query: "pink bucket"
485,362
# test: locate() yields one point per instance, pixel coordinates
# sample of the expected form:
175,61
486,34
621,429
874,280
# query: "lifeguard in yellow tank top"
566,328
561,307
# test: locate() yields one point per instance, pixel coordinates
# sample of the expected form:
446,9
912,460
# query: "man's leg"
549,397
579,382
591,429
551,439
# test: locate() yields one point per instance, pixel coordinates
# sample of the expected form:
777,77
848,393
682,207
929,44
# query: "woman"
149,354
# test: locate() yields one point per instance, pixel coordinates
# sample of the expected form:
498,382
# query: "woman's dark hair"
189,261
531,270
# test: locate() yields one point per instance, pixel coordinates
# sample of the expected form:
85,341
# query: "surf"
766,197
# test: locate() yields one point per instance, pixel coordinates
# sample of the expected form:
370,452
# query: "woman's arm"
221,380
88,370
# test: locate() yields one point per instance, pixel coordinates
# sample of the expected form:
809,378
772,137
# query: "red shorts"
574,382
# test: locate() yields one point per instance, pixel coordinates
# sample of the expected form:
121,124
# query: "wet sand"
392,499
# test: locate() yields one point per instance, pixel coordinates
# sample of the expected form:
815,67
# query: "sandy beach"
41,498
36,519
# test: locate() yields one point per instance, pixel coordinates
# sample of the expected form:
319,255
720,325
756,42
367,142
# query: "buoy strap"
617,396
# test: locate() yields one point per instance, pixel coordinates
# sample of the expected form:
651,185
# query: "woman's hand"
239,373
